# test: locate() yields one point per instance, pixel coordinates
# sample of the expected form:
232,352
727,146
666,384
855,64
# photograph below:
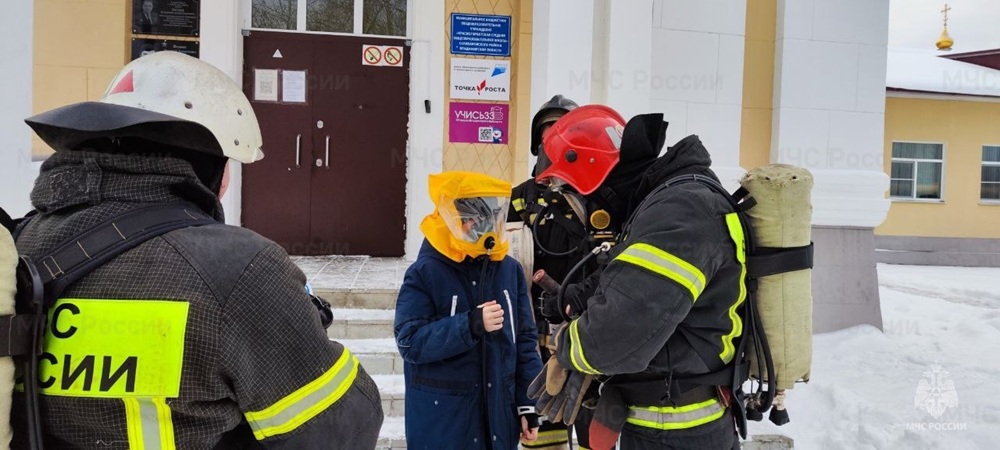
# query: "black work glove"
476,326
577,294
532,419
324,308
549,308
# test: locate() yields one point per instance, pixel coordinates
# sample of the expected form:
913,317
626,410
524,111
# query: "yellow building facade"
963,128
79,46
942,154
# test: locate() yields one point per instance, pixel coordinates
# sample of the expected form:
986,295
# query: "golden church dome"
945,41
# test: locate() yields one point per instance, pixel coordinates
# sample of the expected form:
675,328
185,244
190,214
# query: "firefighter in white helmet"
247,362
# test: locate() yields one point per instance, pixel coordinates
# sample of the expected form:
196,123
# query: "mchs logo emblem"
936,392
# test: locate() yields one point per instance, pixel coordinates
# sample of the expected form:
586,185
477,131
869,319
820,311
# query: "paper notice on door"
293,86
265,85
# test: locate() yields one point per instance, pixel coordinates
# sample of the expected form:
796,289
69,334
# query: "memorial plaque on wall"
143,47
170,17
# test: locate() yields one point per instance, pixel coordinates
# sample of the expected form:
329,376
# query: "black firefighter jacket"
668,303
201,338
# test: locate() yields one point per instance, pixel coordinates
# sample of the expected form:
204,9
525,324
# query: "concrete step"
393,434
378,356
392,389
361,324
344,298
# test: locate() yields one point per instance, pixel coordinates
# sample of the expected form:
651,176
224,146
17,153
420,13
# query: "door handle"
327,163
298,150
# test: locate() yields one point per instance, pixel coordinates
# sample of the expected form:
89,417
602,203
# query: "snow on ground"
393,428
942,327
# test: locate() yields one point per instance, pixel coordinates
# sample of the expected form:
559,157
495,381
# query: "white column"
697,75
16,168
221,45
629,80
562,50
424,153
829,104
829,116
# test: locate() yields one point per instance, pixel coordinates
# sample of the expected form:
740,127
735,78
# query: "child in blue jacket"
464,324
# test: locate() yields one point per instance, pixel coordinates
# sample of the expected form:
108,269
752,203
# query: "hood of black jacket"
687,156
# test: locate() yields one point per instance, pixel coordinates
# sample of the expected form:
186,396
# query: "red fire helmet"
582,147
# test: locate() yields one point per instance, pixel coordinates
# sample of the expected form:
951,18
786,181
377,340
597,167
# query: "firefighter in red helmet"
667,305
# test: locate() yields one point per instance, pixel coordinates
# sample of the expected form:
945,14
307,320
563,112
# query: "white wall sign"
293,86
265,85
480,79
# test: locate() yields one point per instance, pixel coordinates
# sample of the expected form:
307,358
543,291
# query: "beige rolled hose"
522,247
8,285
782,218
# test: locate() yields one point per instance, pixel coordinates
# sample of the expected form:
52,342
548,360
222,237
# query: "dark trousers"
716,435
582,425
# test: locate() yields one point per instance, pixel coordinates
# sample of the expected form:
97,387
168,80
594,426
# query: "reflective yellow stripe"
736,233
305,403
663,263
149,424
576,351
518,204
548,438
676,418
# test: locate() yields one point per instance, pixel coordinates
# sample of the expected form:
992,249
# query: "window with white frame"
990,189
274,14
384,17
370,17
916,170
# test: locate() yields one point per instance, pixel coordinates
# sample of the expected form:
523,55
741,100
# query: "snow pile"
941,344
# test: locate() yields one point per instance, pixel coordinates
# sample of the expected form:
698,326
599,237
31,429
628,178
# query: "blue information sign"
478,34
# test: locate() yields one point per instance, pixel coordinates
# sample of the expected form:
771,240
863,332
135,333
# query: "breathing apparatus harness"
594,218
598,234
41,282
748,405
760,262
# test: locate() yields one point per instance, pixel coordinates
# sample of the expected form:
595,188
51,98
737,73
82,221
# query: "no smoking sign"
382,55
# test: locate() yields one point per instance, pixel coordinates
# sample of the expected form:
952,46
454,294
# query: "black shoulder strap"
6,221
79,255
69,262
762,261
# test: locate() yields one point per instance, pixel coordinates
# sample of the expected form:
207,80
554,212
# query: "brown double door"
333,178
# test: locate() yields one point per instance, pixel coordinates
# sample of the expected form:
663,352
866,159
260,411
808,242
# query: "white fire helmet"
165,97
